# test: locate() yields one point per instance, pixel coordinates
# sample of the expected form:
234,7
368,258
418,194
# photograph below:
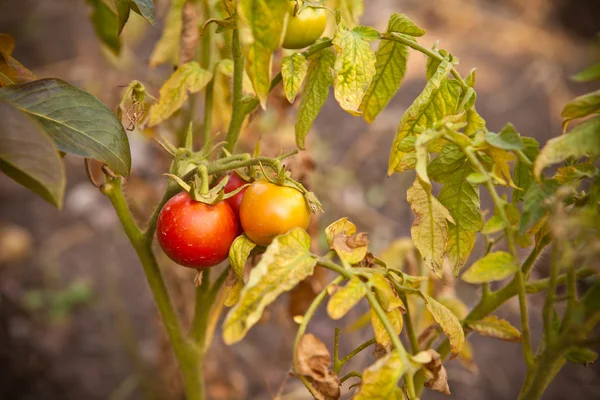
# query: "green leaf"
422,154
367,33
346,298
507,139
447,162
354,68
429,230
145,8
238,254
265,19
432,64
461,198
496,327
581,141
380,380
28,155
286,262
106,25
534,207
166,49
438,99
316,89
475,122
581,355
591,73
390,67
493,225
583,106
188,78
523,173
447,321
122,13
293,71
400,23
493,267
78,122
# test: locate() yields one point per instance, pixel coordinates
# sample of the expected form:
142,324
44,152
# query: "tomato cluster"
199,235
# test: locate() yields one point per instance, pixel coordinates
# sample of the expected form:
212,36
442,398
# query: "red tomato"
194,234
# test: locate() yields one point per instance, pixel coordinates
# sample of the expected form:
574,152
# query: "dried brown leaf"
313,361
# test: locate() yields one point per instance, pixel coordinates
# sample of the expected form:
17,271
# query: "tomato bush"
269,210
194,234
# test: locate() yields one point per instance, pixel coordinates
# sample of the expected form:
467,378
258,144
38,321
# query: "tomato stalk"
238,113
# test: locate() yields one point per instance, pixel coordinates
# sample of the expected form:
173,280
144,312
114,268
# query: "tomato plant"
305,27
269,210
441,137
195,234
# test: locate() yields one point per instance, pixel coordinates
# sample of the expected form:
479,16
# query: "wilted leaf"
436,373
466,357
313,361
493,267
581,141
496,327
233,288
351,249
429,230
265,19
387,297
574,173
188,78
145,8
507,139
28,155
238,254
316,89
286,262
583,106
77,121
293,71
523,173
354,68
11,71
381,334
390,67
380,380
581,355
106,24
189,32
437,100
448,322
340,227
500,165
167,47
346,298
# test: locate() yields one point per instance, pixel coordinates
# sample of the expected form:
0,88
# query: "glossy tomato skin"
234,182
268,210
305,28
194,234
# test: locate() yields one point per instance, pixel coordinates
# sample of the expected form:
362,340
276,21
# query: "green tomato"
305,28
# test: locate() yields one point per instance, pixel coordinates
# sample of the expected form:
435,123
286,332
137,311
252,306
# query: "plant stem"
330,265
188,360
238,113
207,49
338,364
204,307
350,375
548,311
410,329
428,52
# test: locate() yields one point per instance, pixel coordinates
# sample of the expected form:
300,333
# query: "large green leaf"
507,139
581,141
316,89
438,99
78,122
265,20
429,230
354,67
380,380
286,262
493,267
583,106
29,156
293,72
390,67
106,24
167,47
188,78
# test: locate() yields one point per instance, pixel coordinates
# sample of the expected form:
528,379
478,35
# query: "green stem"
547,366
238,113
548,310
338,364
350,375
207,50
203,309
410,329
199,309
188,360
428,52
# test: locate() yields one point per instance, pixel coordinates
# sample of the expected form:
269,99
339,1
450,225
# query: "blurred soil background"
77,320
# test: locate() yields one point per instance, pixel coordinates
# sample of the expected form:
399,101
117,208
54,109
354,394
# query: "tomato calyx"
199,191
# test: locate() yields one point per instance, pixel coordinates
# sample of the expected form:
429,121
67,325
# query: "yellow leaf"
448,321
167,48
188,78
496,327
345,298
380,380
381,334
